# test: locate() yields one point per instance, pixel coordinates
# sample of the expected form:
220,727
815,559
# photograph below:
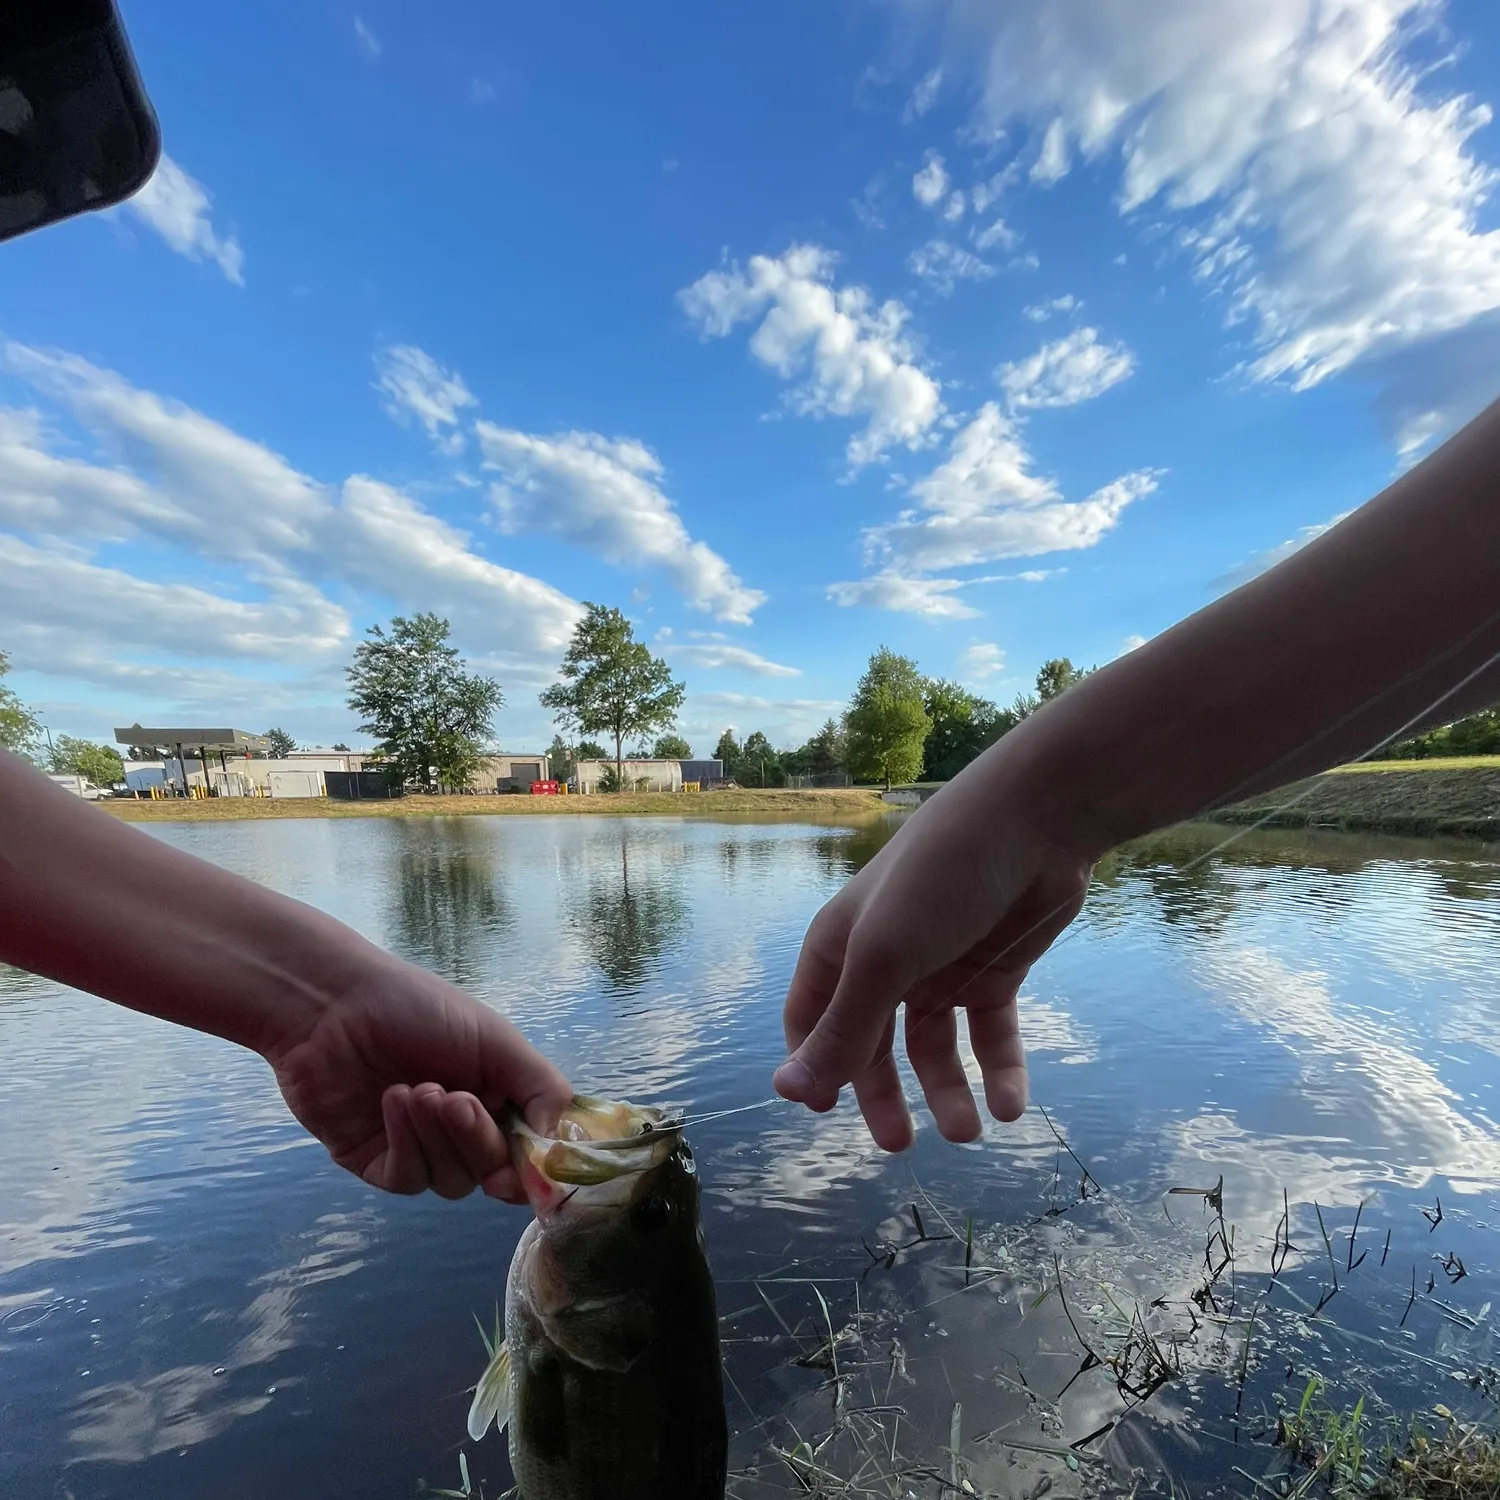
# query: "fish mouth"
599,1148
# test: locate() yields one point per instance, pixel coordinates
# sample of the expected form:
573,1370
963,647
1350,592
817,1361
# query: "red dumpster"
544,789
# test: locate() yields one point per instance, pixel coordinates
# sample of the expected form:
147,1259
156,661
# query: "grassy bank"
1456,797
830,805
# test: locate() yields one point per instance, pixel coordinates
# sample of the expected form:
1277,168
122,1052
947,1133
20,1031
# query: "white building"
640,775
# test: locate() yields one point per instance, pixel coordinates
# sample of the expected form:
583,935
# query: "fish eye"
652,1214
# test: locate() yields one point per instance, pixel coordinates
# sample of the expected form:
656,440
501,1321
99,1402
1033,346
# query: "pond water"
195,1303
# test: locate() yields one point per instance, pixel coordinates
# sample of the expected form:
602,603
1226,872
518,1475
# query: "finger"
817,973
473,1131
932,1048
504,1185
845,1039
450,1176
401,1167
882,1100
995,1035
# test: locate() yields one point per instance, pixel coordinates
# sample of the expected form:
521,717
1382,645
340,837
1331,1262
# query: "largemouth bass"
610,1379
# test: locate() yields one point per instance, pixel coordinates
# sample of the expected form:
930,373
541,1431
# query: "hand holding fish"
348,1080
398,1073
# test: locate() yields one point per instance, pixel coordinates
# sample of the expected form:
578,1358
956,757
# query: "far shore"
831,805
1454,797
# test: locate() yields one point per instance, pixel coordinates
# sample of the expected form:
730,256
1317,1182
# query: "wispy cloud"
368,41
178,208
414,385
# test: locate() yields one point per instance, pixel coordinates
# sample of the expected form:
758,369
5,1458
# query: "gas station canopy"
218,740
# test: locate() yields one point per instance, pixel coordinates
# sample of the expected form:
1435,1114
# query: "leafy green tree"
561,759
613,685
825,750
282,744
415,694
1056,676
20,729
887,722
344,748
963,727
728,751
592,750
759,764
672,747
100,764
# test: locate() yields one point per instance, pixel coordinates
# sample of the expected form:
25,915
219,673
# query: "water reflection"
1308,1015
450,906
628,921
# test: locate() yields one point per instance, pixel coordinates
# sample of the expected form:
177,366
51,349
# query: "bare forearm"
102,907
1384,625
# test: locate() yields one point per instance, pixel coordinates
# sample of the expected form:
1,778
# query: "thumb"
851,1033
515,1072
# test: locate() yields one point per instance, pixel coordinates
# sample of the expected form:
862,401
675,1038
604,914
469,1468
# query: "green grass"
1435,763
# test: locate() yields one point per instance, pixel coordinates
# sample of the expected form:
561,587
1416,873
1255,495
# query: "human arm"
397,1072
1387,623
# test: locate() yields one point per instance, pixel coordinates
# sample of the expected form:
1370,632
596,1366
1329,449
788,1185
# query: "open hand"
952,912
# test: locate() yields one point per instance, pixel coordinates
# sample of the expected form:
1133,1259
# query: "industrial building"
511,772
640,775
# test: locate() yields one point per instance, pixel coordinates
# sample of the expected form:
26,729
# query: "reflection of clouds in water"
130,1420
1046,1028
1400,1107
124,1087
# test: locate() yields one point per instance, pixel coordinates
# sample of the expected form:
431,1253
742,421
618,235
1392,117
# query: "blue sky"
985,333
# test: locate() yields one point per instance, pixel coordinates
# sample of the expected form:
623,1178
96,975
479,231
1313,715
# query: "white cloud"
382,538
855,356
1322,179
367,39
1262,562
999,233
716,655
1039,312
190,480
953,209
413,384
57,606
177,207
1052,164
984,194
226,507
944,265
603,494
982,659
931,598
924,96
984,502
1132,643
1072,369
929,185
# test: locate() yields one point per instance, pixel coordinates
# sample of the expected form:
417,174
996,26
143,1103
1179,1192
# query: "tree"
963,727
1056,676
415,694
282,744
887,722
342,747
825,750
728,751
613,683
20,729
758,763
100,764
672,747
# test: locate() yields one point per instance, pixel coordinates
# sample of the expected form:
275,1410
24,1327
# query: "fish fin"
492,1396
